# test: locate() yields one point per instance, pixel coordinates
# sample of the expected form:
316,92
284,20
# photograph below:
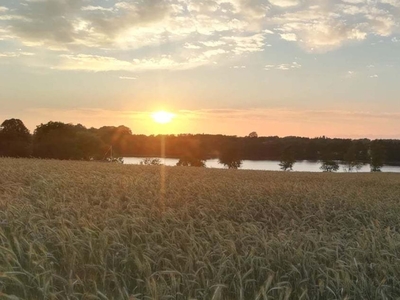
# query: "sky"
277,67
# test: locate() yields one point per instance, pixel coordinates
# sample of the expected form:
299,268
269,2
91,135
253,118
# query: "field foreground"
80,230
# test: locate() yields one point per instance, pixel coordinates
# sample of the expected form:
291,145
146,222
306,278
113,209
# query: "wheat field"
86,230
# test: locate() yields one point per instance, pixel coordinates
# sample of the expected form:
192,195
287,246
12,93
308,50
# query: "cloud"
96,63
246,44
15,54
183,28
395,3
68,23
285,3
319,30
289,37
94,8
250,9
213,43
215,52
354,1
191,46
381,25
45,21
350,74
283,67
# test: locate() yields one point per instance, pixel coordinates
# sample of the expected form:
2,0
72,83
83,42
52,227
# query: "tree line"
59,140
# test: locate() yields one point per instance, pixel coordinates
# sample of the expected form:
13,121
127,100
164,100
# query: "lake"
266,165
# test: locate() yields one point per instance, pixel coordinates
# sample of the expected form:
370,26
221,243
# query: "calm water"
267,165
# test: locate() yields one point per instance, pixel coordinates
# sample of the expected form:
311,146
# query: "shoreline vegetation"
56,140
74,230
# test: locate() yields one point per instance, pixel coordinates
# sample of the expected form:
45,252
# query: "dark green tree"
55,140
15,139
151,162
88,145
329,166
328,163
287,159
230,156
253,135
119,138
192,154
377,156
190,161
351,159
66,141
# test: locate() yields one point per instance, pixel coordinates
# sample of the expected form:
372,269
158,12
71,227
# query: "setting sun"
162,117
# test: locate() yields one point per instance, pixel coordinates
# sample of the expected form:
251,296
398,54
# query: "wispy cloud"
350,74
96,63
94,8
15,54
291,37
285,3
283,67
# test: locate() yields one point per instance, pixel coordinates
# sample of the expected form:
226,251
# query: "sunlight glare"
162,117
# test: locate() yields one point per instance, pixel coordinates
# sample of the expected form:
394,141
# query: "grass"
80,230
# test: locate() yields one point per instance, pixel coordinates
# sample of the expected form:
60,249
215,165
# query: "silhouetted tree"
230,156
88,145
376,156
120,138
54,140
192,154
151,162
190,162
328,164
287,160
391,150
15,139
253,134
351,161
117,160
66,141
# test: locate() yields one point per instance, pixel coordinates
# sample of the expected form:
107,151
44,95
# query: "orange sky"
281,122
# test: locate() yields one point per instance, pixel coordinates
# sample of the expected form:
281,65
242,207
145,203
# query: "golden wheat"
80,230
